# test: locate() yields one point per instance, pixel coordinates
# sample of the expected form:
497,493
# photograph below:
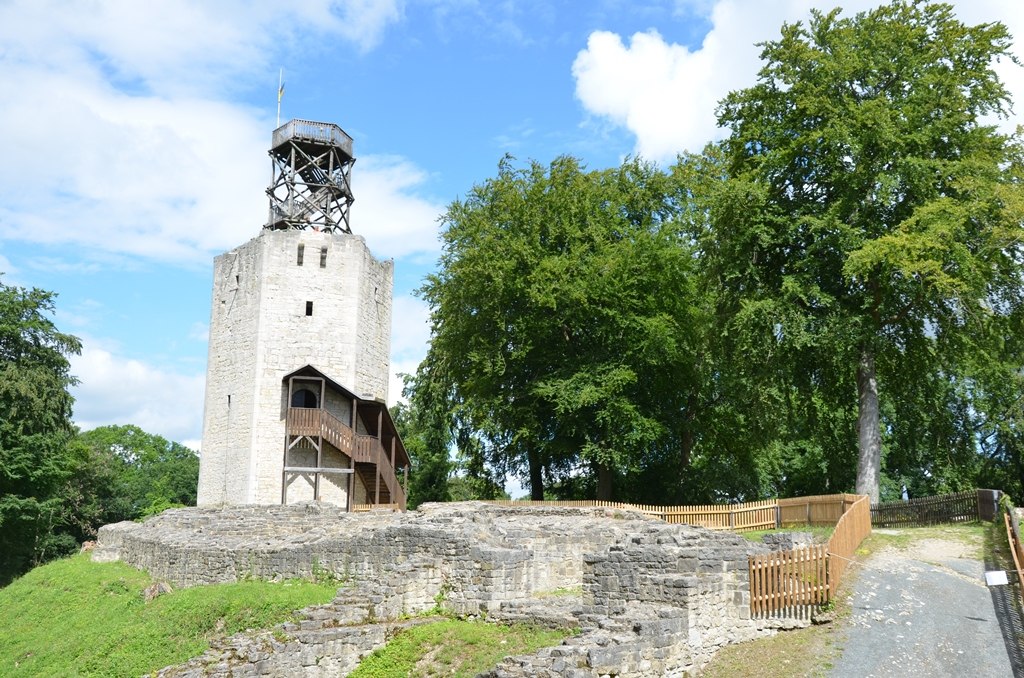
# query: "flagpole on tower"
280,93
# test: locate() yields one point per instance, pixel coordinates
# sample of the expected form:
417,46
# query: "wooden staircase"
367,473
366,452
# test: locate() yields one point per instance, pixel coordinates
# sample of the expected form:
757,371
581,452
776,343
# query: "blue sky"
136,137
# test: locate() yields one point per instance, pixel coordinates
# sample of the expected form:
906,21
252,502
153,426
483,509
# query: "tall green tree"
35,428
560,319
425,425
872,236
150,473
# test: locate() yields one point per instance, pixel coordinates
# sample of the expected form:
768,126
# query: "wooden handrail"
373,452
301,421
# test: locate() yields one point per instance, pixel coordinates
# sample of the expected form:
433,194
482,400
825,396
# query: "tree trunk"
604,482
685,448
869,432
536,476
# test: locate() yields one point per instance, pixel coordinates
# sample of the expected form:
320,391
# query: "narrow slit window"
323,257
309,308
299,257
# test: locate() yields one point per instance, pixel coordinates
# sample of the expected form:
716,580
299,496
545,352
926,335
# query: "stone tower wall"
262,328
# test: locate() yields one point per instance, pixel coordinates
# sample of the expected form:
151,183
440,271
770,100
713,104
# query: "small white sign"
996,578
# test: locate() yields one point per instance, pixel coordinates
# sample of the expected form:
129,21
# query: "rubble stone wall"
650,599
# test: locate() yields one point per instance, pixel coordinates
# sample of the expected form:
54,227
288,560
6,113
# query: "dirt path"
925,610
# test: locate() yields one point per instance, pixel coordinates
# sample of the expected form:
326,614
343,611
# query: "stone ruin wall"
650,599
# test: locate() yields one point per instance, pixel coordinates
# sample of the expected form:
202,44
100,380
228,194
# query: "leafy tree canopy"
35,427
872,237
152,473
560,313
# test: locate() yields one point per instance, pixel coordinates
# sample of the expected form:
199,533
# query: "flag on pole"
280,93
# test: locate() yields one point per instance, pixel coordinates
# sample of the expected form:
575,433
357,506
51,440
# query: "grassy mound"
74,617
454,647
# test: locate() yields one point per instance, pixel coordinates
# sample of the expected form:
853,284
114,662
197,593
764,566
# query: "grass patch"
561,592
454,647
969,534
74,617
821,534
807,652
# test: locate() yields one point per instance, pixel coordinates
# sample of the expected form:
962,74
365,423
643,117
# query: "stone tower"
299,346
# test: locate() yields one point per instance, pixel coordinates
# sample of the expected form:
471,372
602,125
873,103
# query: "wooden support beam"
380,453
316,469
319,464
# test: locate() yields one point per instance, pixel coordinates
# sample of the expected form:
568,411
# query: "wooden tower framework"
311,181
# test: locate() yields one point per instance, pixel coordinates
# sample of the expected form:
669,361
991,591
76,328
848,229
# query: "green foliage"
871,220
466,488
57,488
423,425
561,310
832,298
76,617
148,473
453,647
34,430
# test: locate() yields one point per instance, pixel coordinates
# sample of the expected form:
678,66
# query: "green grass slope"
74,617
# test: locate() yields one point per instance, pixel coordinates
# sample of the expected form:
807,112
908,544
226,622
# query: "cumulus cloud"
410,335
7,269
122,135
118,390
388,213
665,94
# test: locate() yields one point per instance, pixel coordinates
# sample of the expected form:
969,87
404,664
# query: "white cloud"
410,335
394,221
395,381
122,136
666,94
170,45
363,21
118,390
7,270
195,444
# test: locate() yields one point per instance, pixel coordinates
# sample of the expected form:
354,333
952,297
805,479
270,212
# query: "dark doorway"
304,398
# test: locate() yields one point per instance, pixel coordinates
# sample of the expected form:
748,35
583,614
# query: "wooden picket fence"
819,510
792,583
365,508
945,508
1016,549
788,580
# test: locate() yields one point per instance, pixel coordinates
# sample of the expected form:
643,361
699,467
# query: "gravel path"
926,611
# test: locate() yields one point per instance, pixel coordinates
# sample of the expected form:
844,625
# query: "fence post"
732,516
778,516
988,502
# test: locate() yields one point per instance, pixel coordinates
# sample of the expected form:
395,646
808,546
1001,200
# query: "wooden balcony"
361,449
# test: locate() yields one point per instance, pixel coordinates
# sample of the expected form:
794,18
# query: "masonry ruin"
648,598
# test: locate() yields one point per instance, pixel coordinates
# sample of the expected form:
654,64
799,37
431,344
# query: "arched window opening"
304,398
